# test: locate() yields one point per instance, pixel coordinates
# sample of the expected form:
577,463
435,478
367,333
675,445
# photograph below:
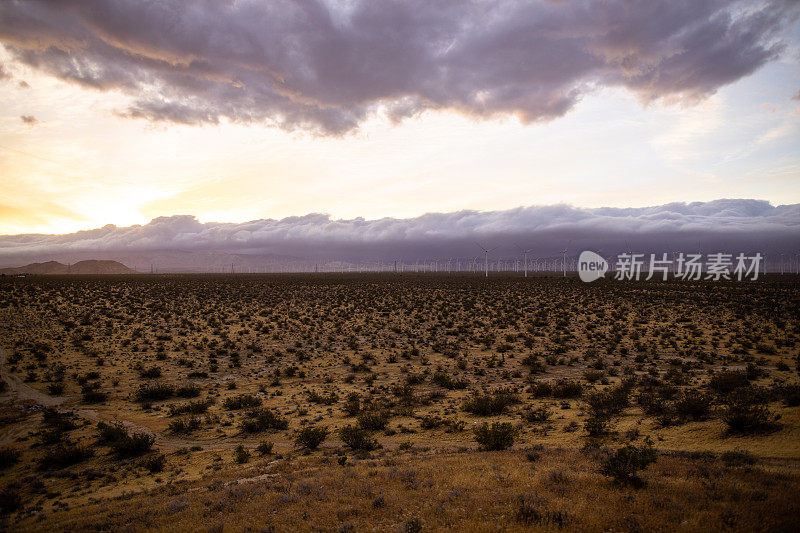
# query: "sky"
120,112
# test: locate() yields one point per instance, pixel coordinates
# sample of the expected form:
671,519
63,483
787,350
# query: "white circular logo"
591,266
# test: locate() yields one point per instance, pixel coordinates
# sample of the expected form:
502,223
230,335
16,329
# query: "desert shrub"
323,399
607,402
357,439
91,394
311,437
89,376
240,455
55,389
154,463
431,422
187,391
597,426
184,425
111,432
56,420
10,499
257,420
265,448
624,464
489,404
52,435
592,375
534,364
753,372
8,457
669,417
443,379
738,458
374,420
453,425
693,405
727,381
352,404
405,394
563,388
151,373
765,348
64,455
534,453
195,408
651,403
532,510
241,401
133,445
790,394
412,525
558,477
498,436
537,414
745,416
153,392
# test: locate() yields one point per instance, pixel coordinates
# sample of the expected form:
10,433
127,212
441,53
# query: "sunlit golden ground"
407,358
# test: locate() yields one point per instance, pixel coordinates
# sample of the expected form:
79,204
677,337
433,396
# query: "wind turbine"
486,257
564,259
628,250
525,257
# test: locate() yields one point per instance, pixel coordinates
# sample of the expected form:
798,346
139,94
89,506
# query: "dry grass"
476,491
404,357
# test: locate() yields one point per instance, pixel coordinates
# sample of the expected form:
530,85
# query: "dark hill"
81,267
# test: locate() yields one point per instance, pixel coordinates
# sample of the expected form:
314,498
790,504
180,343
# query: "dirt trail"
17,430
20,392
165,441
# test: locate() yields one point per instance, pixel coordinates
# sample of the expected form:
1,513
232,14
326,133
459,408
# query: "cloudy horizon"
730,226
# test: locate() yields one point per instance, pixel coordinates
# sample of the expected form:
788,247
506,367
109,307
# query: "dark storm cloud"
325,65
722,225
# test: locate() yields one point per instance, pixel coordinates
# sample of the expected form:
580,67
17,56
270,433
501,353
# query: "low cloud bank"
721,225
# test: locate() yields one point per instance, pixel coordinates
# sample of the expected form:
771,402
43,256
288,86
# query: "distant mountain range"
91,266
176,261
